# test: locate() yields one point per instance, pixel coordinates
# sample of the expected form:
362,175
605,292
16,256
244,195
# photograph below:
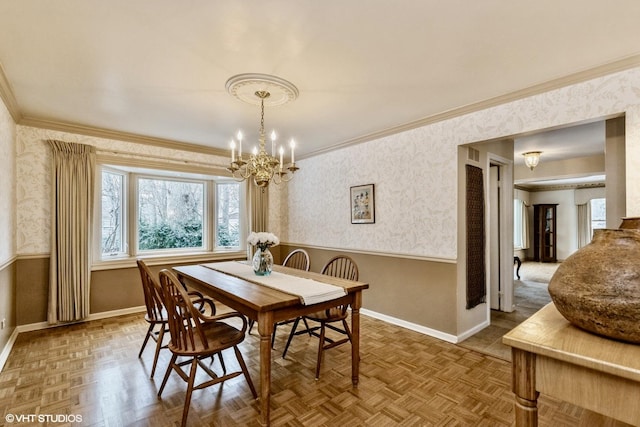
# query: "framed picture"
363,209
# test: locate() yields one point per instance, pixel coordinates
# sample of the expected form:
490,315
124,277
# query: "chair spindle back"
298,259
183,319
152,292
341,266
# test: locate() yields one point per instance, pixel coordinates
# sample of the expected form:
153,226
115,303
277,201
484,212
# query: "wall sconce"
532,158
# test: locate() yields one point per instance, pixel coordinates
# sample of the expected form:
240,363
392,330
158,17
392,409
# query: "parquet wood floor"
92,370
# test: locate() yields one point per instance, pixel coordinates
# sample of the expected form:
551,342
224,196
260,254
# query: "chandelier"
262,166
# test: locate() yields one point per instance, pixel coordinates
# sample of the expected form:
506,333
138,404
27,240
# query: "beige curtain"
584,224
524,222
259,200
73,170
259,208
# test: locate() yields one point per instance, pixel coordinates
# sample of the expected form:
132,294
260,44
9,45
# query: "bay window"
149,212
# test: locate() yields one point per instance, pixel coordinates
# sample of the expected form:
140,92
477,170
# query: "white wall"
567,214
566,220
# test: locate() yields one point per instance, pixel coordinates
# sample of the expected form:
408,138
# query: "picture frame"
362,203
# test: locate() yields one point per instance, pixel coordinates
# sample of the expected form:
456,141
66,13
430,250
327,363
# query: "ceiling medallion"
261,89
245,86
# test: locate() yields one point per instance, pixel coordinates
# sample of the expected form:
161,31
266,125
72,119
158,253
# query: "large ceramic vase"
598,287
262,261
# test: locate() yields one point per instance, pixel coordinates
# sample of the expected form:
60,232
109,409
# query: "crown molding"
535,189
7,96
120,136
579,77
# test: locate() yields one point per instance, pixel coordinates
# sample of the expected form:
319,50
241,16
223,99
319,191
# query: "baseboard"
93,316
7,348
114,313
412,326
44,325
472,331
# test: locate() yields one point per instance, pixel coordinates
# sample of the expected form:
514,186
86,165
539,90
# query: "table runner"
308,290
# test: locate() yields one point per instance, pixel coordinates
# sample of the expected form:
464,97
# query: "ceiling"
584,140
158,68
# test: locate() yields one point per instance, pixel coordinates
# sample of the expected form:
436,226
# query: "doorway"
500,234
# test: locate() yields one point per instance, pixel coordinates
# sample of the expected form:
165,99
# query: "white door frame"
505,232
494,248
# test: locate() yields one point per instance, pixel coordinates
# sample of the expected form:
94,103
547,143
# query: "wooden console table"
553,357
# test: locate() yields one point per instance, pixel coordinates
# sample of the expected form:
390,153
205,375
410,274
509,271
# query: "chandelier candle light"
262,166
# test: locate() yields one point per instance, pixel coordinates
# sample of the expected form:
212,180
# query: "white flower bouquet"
263,240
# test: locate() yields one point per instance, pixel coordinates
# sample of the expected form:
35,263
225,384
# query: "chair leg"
171,366
306,325
224,368
245,371
146,338
187,399
291,334
273,335
320,349
158,347
346,329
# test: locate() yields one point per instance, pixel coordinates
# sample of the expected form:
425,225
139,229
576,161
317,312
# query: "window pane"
228,221
111,216
170,214
598,213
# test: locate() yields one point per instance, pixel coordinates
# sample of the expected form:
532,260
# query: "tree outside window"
170,214
112,213
228,221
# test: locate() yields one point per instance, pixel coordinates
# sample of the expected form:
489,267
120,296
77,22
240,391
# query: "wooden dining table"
266,306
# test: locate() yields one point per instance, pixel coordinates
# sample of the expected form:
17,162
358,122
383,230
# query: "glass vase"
262,262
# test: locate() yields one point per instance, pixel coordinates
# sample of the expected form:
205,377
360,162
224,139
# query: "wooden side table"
553,357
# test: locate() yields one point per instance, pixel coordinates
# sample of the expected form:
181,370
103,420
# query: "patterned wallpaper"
414,178
415,172
8,189
33,169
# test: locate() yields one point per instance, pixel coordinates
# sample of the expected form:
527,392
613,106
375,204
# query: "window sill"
130,262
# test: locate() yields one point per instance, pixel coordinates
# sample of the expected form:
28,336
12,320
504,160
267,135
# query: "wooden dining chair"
156,315
298,259
196,336
340,266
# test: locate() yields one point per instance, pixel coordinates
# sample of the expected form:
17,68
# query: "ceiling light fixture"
532,158
259,89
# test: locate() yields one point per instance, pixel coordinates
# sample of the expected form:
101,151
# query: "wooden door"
544,219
